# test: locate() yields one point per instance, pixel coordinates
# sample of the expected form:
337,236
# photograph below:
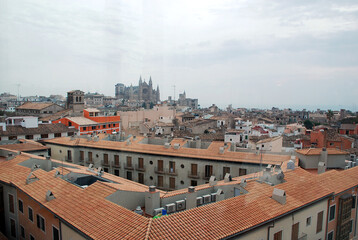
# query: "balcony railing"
195,175
159,170
139,168
128,167
105,163
68,159
171,171
116,165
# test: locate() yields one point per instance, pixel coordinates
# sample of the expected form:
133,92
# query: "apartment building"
43,198
168,164
92,122
40,109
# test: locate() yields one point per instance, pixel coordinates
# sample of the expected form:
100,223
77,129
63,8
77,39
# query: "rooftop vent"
167,145
176,145
227,177
221,150
129,142
49,196
138,210
48,158
191,189
212,181
90,167
279,195
291,165
57,173
31,178
34,167
243,183
152,189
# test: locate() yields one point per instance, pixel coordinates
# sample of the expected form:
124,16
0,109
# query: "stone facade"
143,92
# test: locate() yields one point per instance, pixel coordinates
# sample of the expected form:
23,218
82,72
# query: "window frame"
32,214
11,206
22,206
39,224
329,216
308,223
59,234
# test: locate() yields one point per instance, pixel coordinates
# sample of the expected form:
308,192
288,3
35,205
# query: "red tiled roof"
41,129
317,151
35,105
211,153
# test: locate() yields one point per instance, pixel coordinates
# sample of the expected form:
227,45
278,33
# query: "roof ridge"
148,228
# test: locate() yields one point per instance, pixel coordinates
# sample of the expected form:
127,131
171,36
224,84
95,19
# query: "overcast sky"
247,53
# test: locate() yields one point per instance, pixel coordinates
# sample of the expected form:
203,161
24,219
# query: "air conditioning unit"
180,205
354,164
170,207
199,201
207,198
213,197
157,211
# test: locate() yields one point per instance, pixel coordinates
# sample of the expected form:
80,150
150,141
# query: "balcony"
105,163
171,171
116,165
68,159
195,175
139,168
128,167
159,170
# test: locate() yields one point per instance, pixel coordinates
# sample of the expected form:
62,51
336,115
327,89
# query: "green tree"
308,124
329,115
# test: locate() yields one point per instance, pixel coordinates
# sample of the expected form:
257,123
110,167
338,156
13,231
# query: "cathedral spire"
150,81
140,80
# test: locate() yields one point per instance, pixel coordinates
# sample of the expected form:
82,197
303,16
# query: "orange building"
329,138
92,122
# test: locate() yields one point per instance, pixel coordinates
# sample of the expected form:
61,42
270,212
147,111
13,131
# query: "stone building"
143,92
189,102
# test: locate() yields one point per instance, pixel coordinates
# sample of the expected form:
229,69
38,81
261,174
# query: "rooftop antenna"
18,91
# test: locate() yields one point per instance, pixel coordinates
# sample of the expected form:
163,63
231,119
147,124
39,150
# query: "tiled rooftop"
34,106
317,151
211,153
88,210
41,129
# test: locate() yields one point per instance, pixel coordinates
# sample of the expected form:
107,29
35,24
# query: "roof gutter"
235,235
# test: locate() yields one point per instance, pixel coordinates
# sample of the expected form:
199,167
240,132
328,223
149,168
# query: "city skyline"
248,54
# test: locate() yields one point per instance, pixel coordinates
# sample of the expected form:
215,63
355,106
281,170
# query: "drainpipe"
268,229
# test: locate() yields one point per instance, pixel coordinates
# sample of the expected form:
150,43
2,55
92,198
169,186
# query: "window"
354,199
40,222
21,206
11,204
12,137
171,166
116,172
69,155
225,171
319,222
105,169
31,214
141,178
208,171
332,212
44,135
29,136
57,135
105,158
82,156
69,124
330,235
84,128
140,163
308,221
32,237
193,183
93,127
294,232
90,157
242,171
55,233
160,181
22,231
172,183
160,165
277,236
129,161
351,226
13,227
116,160
129,175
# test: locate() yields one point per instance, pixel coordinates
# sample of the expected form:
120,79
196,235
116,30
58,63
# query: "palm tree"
329,115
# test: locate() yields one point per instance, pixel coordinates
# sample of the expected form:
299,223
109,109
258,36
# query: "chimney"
324,156
191,198
221,150
176,145
227,177
49,195
167,145
279,195
321,167
48,163
152,200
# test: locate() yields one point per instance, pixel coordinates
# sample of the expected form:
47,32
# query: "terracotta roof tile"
317,151
35,105
41,129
